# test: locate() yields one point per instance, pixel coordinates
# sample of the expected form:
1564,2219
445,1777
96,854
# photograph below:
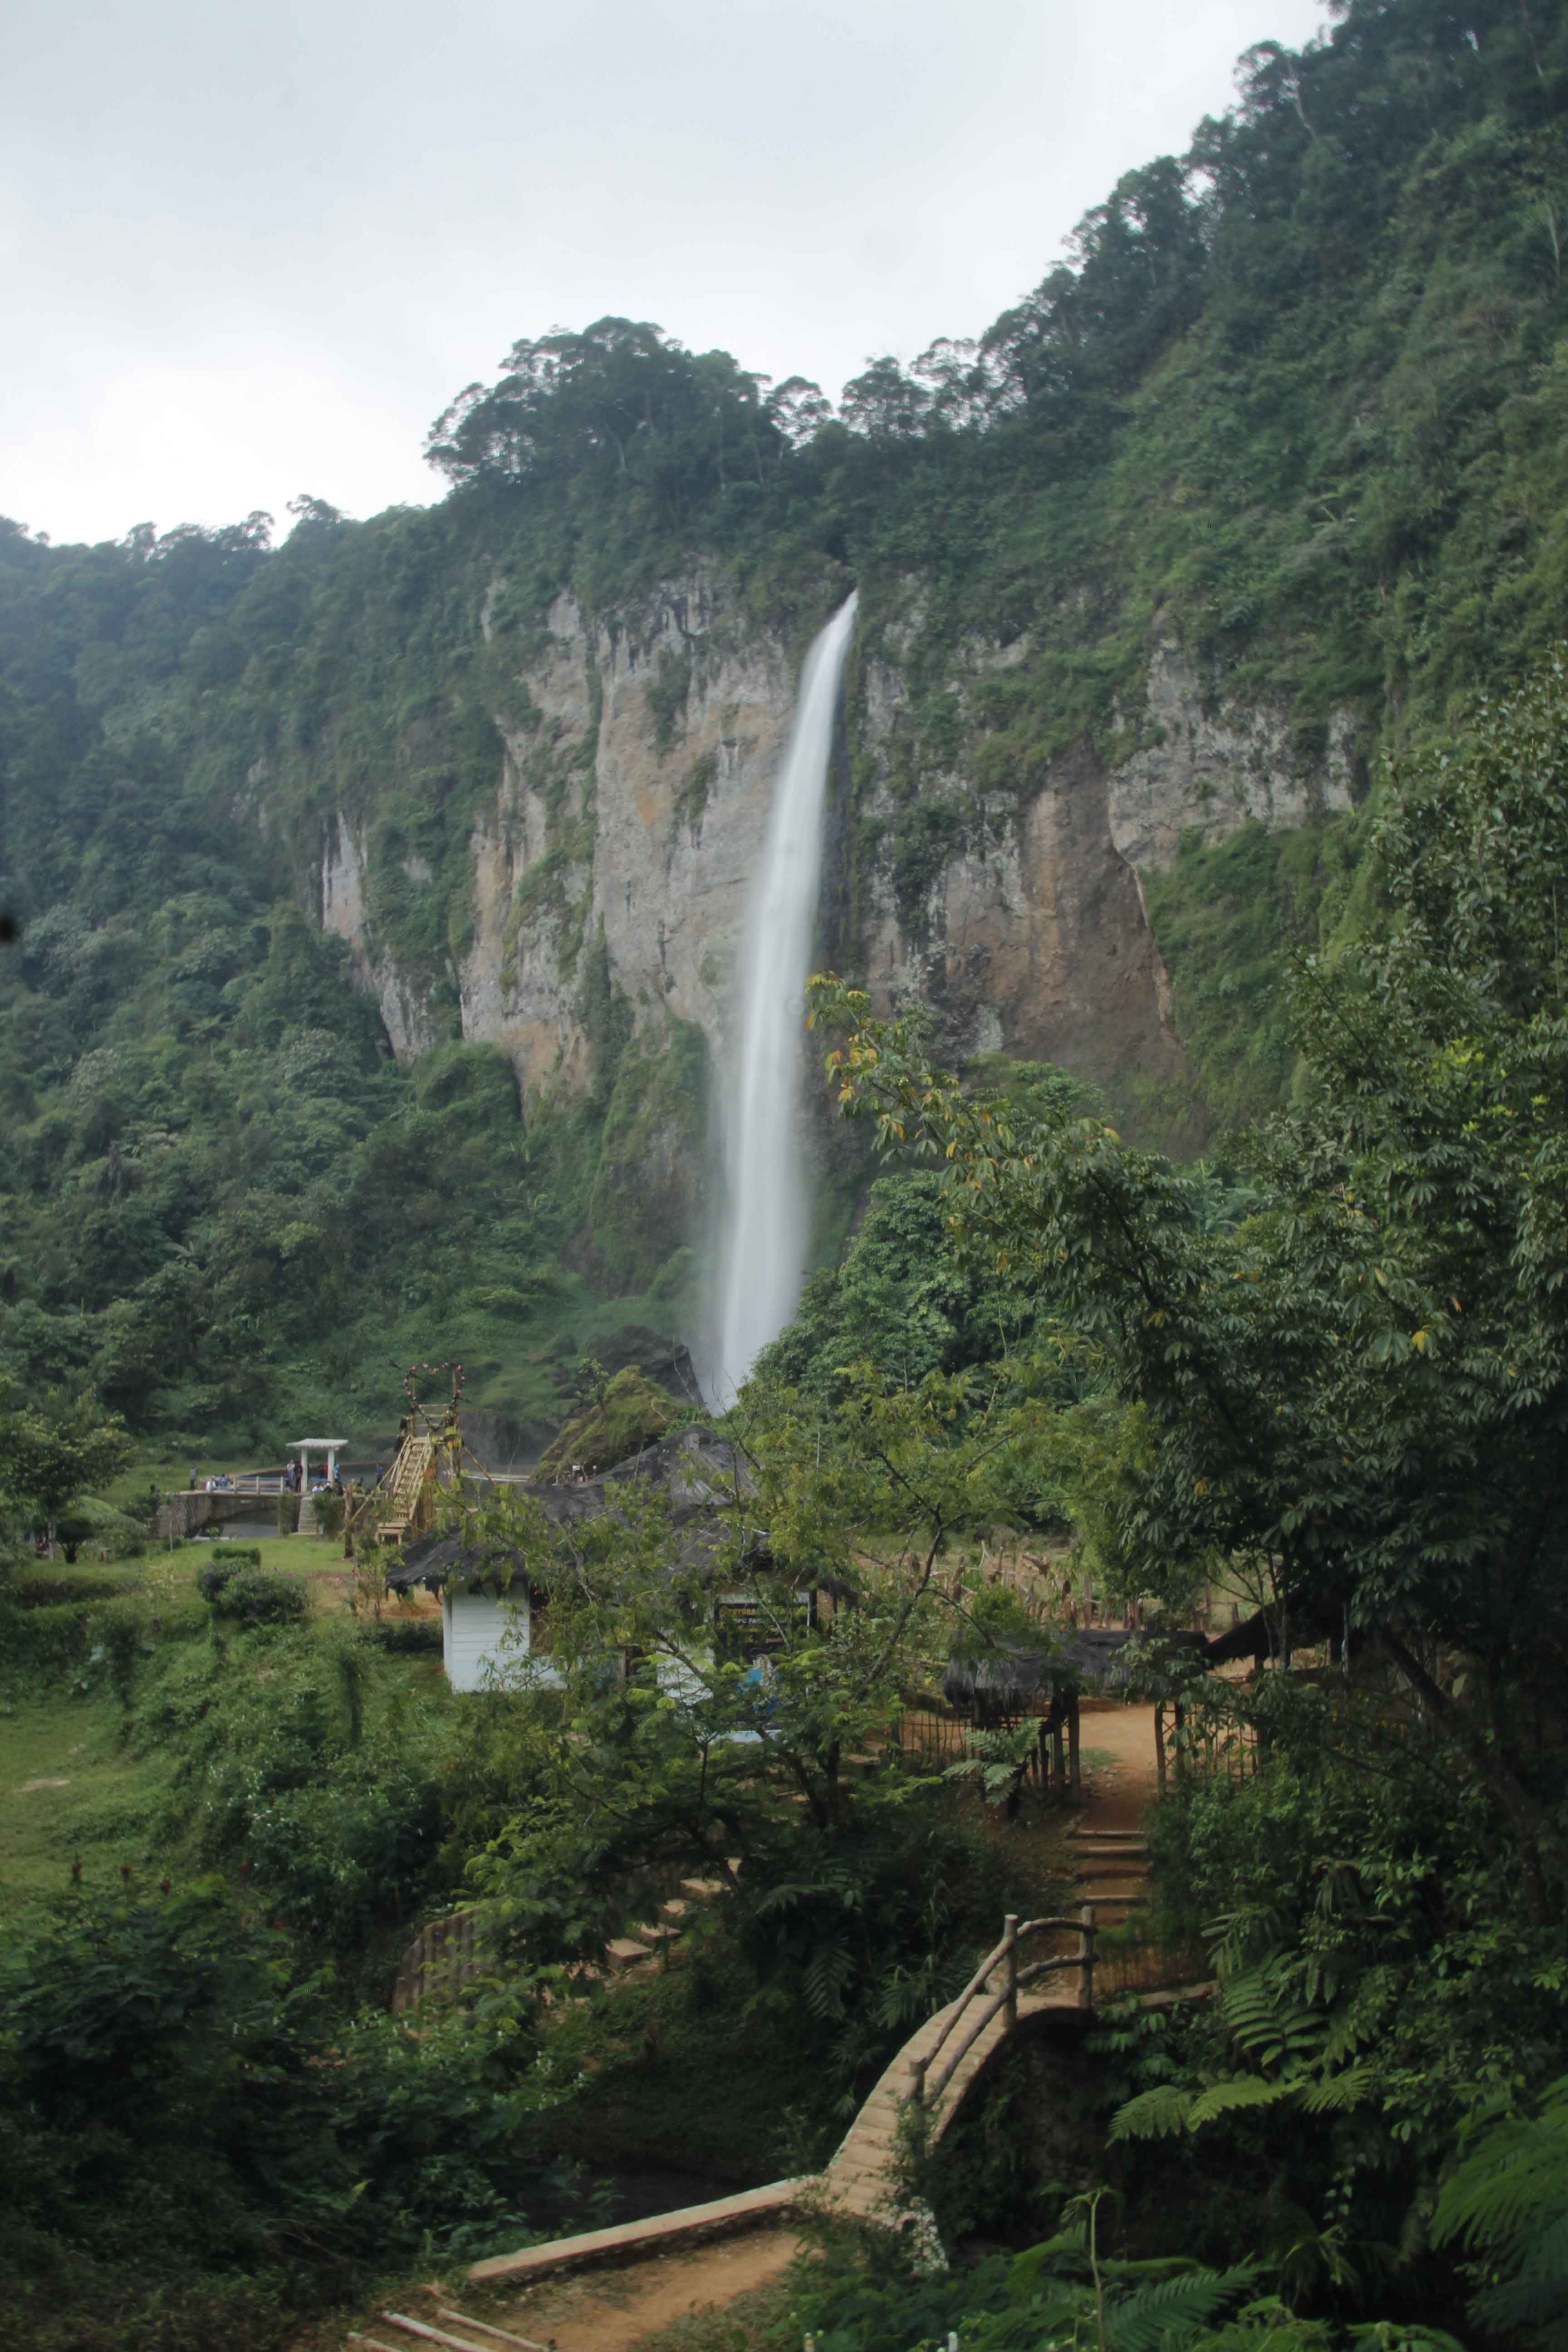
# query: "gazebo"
305,1446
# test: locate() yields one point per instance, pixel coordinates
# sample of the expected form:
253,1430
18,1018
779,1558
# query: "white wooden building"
492,1620
487,1641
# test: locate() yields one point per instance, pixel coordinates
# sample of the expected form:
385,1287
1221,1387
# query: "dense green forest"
1295,398
1297,401
1333,1377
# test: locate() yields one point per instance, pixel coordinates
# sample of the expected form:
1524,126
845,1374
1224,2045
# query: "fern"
1167,2313
1239,1938
1333,2093
1507,2204
1241,2090
829,1971
1154,2114
1268,2020
1534,2295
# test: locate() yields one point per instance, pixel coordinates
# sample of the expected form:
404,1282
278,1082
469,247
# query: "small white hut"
492,1618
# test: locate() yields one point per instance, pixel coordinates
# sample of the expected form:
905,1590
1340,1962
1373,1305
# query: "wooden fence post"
1074,1765
1160,1745
918,2080
1010,1966
1058,1751
1086,1956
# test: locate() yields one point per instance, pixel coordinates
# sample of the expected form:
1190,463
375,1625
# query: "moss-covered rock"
628,1414
648,1190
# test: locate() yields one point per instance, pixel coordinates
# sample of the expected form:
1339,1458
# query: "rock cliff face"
629,817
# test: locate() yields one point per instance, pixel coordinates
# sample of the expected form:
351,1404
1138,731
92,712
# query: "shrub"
287,1514
404,1635
56,1592
118,1631
261,1595
329,1511
318,1774
50,1637
224,1565
182,2118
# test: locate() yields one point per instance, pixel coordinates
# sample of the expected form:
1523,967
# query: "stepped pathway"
1110,1849
704,2256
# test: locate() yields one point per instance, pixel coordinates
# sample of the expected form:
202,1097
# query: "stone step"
675,1910
703,1890
623,1953
654,1933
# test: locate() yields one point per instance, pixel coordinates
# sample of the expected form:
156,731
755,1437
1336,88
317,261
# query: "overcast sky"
251,250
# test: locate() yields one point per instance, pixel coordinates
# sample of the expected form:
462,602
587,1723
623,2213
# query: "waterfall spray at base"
768,1222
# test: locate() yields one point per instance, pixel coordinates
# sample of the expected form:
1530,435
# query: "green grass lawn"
68,1793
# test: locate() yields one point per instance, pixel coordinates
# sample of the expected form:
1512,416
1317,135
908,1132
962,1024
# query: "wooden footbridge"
1038,1977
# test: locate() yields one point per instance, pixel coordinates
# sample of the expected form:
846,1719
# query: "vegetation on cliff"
1359,1385
1337,1370
1292,402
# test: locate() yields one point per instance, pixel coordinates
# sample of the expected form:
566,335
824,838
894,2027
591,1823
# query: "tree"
712,1710
1365,1383
47,1459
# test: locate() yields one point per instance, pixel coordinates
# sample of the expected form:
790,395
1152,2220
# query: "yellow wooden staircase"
416,1463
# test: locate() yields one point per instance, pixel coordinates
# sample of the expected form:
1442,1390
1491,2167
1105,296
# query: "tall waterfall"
768,1222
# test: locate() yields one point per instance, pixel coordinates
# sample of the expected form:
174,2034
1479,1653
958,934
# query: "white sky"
249,251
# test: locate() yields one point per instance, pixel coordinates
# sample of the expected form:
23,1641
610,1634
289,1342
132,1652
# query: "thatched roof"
1256,1637
702,1472
1005,1680
444,1558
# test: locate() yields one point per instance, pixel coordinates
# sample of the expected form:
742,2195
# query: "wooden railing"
1054,1767
242,1481
394,1501
1207,1740
926,2088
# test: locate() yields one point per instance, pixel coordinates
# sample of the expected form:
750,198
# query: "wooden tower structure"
429,1456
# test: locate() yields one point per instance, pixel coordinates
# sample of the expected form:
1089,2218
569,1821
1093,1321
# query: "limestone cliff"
627,814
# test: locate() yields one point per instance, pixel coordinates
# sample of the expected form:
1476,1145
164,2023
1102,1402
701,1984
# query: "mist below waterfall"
767,1225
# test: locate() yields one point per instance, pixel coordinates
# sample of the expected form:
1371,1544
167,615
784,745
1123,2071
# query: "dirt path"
1119,1765
615,2310
611,2310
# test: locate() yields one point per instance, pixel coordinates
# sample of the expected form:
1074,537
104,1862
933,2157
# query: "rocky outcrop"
403,1012
1210,766
1034,940
628,817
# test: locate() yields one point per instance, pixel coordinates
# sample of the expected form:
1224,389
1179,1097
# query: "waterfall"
768,1222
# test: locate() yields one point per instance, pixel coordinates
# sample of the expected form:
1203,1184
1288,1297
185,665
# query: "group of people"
319,1485
222,1483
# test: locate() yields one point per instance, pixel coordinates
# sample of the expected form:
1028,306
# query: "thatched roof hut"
1258,1636
1012,1681
702,1472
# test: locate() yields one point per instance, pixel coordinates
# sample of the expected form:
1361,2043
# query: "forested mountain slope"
1267,476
